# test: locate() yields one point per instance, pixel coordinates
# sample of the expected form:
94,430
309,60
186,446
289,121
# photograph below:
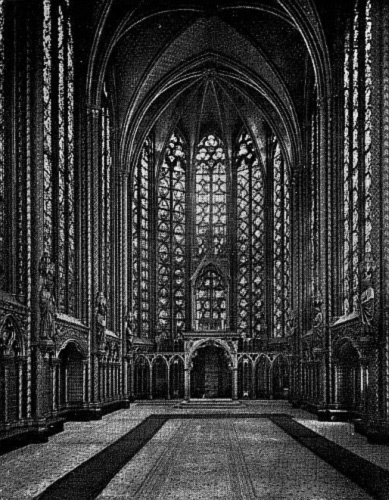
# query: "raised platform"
210,404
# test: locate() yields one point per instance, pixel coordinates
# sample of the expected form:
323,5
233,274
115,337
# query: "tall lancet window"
140,241
59,220
281,244
367,127
171,240
314,194
357,149
105,197
211,195
2,166
250,237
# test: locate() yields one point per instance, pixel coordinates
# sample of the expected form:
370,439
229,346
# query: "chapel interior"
194,207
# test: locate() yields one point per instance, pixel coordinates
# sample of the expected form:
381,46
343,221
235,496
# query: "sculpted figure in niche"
346,307
367,295
292,323
317,315
8,337
101,318
48,309
159,340
128,331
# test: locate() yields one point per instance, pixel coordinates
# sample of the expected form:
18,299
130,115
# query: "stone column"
168,381
125,377
100,369
6,396
132,381
65,385
235,382
53,368
187,383
106,380
84,379
20,385
364,384
252,385
115,380
35,359
117,391
151,383
93,241
124,274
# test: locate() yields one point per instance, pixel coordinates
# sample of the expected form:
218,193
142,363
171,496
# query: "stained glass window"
367,152
2,167
211,196
134,216
61,161
314,209
141,241
47,107
105,196
281,244
354,181
69,135
171,240
250,237
58,163
211,300
357,79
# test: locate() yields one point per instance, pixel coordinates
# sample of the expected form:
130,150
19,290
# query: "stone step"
209,404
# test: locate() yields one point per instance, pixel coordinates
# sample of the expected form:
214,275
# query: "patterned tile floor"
28,471
227,459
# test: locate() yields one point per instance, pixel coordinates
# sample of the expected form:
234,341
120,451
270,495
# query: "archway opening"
280,378
177,378
72,376
160,379
245,378
262,378
141,378
348,376
211,373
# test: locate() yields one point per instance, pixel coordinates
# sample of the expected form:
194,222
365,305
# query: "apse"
218,244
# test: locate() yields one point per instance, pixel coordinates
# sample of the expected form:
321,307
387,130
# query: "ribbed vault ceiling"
233,62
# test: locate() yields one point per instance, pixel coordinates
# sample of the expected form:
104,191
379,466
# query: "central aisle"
228,459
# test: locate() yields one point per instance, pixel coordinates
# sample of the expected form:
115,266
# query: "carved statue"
8,339
367,295
317,320
100,318
128,331
292,323
48,308
159,340
346,307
